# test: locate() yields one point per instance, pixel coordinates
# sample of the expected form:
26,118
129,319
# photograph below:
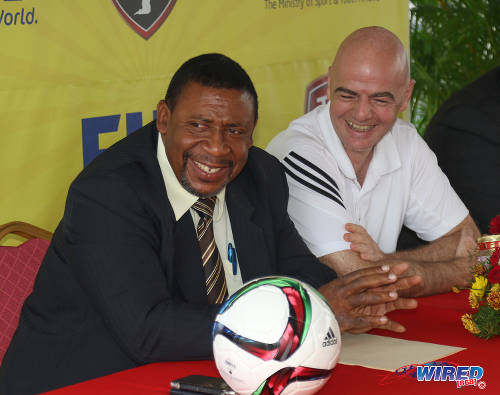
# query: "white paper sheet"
388,353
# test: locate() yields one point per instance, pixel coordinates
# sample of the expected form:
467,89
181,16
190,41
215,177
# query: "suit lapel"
248,236
187,269
145,147
188,265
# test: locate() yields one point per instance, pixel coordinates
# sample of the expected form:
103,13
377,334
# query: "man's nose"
363,109
216,142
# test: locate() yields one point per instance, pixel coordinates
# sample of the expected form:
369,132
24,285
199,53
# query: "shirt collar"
180,199
386,155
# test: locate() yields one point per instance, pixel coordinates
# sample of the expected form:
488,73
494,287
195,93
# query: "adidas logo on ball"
330,339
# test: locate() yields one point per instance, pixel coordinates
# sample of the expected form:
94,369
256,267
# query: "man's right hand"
361,299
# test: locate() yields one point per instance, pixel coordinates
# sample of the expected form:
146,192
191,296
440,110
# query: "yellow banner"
77,76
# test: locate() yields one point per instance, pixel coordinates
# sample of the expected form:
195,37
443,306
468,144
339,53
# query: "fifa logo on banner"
316,93
144,16
462,375
17,17
93,127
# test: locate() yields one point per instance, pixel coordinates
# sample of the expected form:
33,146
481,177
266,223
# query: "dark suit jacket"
122,283
465,135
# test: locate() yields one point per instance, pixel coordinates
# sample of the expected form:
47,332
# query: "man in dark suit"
123,282
465,136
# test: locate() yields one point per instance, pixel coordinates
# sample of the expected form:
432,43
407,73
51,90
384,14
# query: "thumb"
466,243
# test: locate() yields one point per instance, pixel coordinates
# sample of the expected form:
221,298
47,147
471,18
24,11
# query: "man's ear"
407,95
330,82
162,116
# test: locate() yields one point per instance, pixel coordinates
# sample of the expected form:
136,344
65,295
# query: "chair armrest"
25,230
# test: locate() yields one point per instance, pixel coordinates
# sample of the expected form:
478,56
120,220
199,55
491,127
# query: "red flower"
495,257
495,225
494,275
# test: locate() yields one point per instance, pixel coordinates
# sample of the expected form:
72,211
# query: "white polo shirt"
181,201
403,185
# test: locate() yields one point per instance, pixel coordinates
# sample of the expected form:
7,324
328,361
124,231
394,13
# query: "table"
436,320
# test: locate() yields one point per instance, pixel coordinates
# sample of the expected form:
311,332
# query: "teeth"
207,169
361,128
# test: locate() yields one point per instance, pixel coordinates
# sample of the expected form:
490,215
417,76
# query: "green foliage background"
452,43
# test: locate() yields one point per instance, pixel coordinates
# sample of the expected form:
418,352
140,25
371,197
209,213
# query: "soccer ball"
276,335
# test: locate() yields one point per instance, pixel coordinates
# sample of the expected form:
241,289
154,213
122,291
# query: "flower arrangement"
484,295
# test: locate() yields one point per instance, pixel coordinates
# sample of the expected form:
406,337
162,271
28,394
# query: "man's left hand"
362,243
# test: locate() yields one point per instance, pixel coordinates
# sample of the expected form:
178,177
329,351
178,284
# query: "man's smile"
206,168
359,128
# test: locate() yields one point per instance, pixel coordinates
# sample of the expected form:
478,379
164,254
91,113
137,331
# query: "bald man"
353,166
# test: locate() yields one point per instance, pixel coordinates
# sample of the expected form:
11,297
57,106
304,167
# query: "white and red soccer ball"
276,335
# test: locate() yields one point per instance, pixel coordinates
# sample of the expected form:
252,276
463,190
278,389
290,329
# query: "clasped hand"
361,299
362,243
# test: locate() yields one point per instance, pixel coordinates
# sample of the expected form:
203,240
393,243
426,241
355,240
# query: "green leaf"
452,43
488,321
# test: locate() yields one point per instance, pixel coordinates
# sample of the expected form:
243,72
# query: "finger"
400,304
360,248
364,324
466,244
350,227
370,298
360,324
363,238
393,326
404,283
347,237
371,277
405,304
352,276
399,268
407,282
400,284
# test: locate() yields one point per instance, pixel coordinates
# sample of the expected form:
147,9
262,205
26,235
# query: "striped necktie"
212,264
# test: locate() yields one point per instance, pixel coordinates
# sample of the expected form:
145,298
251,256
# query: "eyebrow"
210,121
200,118
377,94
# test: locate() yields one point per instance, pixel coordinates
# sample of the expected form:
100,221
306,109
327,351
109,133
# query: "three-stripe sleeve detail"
306,172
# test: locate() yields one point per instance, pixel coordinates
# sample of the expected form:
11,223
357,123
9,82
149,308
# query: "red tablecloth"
436,320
